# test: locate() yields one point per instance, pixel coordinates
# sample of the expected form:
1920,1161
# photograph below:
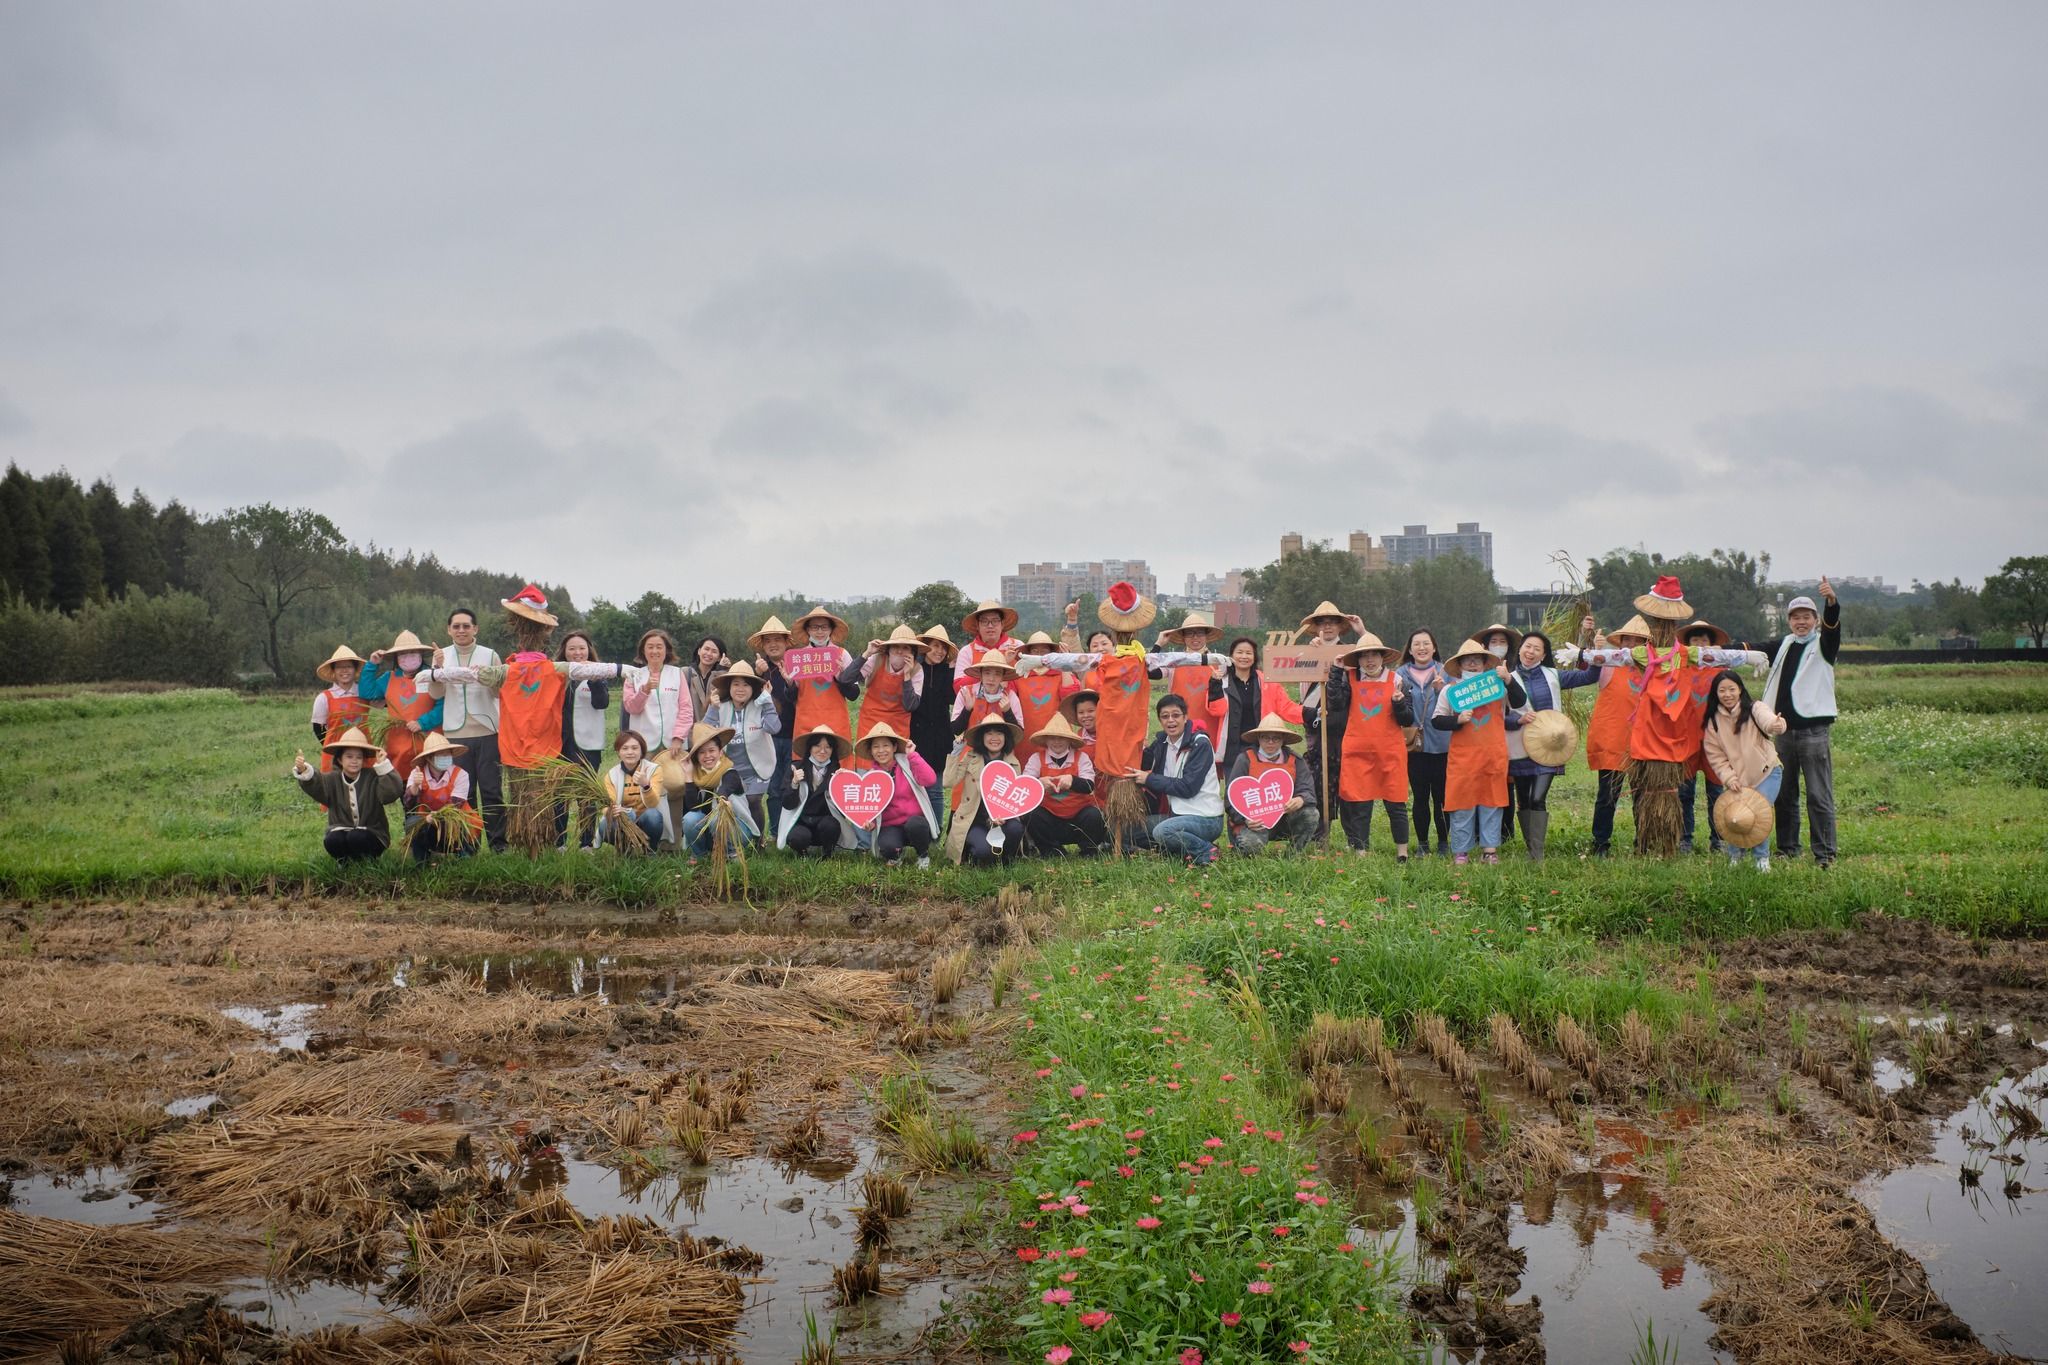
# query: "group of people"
1457,760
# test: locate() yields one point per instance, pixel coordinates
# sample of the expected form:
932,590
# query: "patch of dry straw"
270,1165
375,1085
459,1013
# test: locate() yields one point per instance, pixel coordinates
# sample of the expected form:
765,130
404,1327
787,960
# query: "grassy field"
1167,1195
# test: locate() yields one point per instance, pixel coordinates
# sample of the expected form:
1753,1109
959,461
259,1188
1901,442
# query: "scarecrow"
1123,711
1664,731
531,690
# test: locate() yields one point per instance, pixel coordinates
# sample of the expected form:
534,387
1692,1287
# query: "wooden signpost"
1306,662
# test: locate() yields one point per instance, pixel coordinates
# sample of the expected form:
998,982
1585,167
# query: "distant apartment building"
1052,586
1209,588
1417,544
1851,581
1372,558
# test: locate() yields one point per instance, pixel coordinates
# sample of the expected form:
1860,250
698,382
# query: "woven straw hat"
702,734
1041,642
1196,621
1271,724
902,635
994,658
1550,738
883,730
937,636
1327,610
721,683
1720,636
342,655
972,738
1368,643
438,743
970,624
1637,628
1123,607
352,738
1514,636
1743,818
1474,649
1072,700
1058,728
772,626
531,603
841,745
799,633
1666,601
407,643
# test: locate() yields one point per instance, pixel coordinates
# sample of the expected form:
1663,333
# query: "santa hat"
1124,608
531,603
1665,602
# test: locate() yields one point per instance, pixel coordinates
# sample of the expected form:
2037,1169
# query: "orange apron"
1477,771
883,701
1066,805
1607,728
820,702
1256,768
1374,766
979,710
1122,715
1191,684
1698,687
530,713
436,792
1038,698
342,712
405,700
1666,729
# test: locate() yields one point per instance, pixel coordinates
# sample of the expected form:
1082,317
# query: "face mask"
409,663
1499,651
1269,754
443,762
820,639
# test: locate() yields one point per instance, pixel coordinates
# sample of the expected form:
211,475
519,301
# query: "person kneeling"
1069,814
355,799
1178,770
972,835
809,822
1266,749
437,784
711,778
907,819
635,784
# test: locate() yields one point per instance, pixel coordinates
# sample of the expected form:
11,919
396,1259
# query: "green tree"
145,555
1452,596
1289,589
109,521
935,604
75,572
274,564
1958,608
2017,596
177,540
613,631
1727,587
25,556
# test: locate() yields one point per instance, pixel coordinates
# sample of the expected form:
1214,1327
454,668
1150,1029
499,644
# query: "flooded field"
330,1132
304,1133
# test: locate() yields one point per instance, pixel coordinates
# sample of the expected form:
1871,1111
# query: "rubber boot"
1535,828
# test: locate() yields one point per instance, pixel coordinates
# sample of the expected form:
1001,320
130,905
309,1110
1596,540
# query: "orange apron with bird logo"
1038,698
342,712
820,702
405,700
885,700
1122,714
530,713
1607,728
1375,753
1477,771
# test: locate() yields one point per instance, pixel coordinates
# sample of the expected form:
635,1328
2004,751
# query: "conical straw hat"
352,738
937,635
1472,648
1057,728
1743,818
882,730
902,635
1637,628
1665,601
721,683
1327,610
407,643
798,633
342,655
1368,643
438,743
970,624
1271,724
772,626
702,734
1550,738
1196,621
1124,608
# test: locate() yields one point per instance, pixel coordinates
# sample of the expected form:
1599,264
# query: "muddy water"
799,1219
285,1028
98,1194
1599,1259
309,1307
1984,1242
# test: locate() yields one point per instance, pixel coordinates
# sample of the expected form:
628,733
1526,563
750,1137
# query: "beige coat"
965,768
1742,758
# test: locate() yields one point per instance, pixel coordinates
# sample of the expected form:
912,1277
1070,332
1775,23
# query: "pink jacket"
903,807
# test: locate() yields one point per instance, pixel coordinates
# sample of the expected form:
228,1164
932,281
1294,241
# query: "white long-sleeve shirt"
468,709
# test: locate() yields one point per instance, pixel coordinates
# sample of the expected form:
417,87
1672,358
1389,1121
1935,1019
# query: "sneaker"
1734,857
1763,865
1493,857
924,862
1400,860
1685,845
1460,859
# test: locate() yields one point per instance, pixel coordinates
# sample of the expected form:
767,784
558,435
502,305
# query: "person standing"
340,705
1240,698
1373,764
1801,690
769,644
414,712
1544,684
1194,683
1476,775
987,631
657,701
740,705
705,661
1422,677
1327,701
822,699
891,681
583,716
469,716
931,724
1607,730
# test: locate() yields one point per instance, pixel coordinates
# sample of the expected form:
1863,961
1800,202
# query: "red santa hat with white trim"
531,603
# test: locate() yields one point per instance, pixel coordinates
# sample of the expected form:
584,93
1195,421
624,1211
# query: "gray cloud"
215,467
1542,462
53,75
13,420
1879,438
856,300
595,362
792,429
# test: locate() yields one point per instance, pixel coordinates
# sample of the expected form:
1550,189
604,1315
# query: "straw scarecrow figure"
1664,731
531,689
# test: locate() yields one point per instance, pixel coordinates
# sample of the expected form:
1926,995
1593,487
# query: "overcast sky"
842,298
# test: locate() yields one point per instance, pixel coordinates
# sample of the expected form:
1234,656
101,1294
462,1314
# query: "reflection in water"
97,1195
285,1028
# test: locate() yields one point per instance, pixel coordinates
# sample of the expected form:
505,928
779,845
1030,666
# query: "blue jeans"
1186,836
1485,820
648,820
1768,788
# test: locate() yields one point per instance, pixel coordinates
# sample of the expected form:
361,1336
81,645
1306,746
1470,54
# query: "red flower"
1300,1348
1191,1356
1029,1135
1283,1231
1148,1222
1097,1320
1028,1253
1212,1142
1059,1355
1232,1319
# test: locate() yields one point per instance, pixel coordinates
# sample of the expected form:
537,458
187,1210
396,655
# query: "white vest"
1515,747
471,703
1813,686
747,733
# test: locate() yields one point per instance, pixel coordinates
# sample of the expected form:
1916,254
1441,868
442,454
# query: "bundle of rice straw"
1653,788
58,1277
1125,808
728,842
568,782
455,829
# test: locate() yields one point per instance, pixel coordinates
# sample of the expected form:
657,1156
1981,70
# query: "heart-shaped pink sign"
862,795
1008,794
1263,800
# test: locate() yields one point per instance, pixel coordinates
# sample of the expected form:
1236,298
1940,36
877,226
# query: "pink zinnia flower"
1283,1231
1059,1355
1300,1348
1097,1320
1069,1276
1259,1287
1148,1222
1078,1091
1212,1142
1057,1296
1029,1135
1028,1253
1232,1319
1191,1356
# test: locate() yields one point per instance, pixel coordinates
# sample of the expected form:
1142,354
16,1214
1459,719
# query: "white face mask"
1498,651
821,638
443,762
1268,753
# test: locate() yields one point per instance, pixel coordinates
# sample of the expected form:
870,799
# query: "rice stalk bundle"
274,1165
947,974
1578,1049
801,1140
568,783
376,1085
827,994
529,807
1519,1058
1654,787
885,1192
456,829
1448,1053
1329,1089
728,845
1389,1067
59,1278
1636,1039
1125,810
1561,623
